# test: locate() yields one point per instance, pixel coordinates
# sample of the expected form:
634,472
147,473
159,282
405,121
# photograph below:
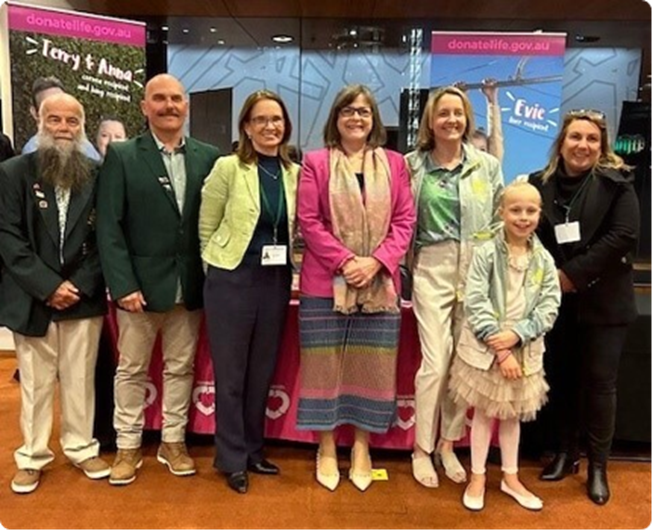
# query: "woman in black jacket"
590,225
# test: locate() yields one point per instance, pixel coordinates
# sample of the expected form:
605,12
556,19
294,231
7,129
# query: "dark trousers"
582,364
245,316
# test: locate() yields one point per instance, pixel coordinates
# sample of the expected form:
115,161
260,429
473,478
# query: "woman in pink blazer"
356,215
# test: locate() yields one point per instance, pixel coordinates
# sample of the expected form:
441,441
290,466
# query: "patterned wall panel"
308,80
601,78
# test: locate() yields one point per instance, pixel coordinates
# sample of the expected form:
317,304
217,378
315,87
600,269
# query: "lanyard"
268,208
575,198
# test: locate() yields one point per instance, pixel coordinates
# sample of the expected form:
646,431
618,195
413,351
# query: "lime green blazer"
230,209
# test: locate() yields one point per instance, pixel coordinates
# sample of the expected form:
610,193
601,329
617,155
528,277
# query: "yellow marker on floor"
379,474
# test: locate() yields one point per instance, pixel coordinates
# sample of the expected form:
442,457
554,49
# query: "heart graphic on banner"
151,394
405,413
278,403
204,398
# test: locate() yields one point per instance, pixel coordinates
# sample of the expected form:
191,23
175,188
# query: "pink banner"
497,43
284,392
66,24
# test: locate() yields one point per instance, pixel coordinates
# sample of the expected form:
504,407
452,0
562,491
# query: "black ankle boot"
597,483
562,465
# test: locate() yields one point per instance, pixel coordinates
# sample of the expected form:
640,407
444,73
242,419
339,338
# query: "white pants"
137,334
439,318
68,350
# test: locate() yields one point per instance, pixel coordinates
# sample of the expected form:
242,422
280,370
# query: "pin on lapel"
43,204
36,186
164,180
39,194
167,187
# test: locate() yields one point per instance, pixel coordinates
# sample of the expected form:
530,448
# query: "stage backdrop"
99,60
527,69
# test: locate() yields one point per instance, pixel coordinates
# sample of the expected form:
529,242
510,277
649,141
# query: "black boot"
562,465
597,483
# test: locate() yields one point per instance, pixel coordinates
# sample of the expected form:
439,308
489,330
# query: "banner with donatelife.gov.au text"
514,82
99,60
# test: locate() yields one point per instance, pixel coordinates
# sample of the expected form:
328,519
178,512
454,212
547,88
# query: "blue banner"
514,82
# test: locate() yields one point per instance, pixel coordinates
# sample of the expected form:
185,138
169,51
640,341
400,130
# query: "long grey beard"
66,167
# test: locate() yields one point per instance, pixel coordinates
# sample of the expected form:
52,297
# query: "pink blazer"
325,254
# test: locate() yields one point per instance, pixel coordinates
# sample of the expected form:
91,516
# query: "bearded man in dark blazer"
52,294
148,208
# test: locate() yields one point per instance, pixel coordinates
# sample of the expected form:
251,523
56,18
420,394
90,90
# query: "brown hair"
607,158
246,152
44,83
425,137
345,97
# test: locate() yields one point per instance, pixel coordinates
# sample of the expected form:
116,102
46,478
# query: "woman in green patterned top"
456,189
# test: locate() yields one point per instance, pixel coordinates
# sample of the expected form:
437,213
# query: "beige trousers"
67,351
439,317
137,334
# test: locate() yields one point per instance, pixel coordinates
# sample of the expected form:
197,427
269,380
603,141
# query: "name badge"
567,232
273,255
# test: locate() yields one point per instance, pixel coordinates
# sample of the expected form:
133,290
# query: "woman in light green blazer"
246,225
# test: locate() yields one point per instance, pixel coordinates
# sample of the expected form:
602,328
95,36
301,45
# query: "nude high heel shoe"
361,480
328,481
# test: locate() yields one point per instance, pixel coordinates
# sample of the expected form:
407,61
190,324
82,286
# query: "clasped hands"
65,296
359,271
501,343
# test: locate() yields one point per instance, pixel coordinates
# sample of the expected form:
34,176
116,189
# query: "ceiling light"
282,38
221,42
213,30
185,30
164,28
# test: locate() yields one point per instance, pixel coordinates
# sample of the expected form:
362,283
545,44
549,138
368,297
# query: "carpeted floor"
66,499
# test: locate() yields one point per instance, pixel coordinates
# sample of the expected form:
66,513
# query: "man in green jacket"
148,205
51,290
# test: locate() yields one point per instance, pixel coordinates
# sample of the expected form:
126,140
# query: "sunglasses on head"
589,113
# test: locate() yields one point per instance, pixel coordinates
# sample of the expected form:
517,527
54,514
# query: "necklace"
275,176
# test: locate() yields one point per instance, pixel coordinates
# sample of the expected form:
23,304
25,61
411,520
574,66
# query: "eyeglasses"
589,113
363,112
262,121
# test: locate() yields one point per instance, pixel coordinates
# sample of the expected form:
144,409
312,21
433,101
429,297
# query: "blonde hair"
425,137
516,186
345,97
607,158
246,152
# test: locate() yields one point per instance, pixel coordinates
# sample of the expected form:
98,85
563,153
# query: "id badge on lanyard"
275,254
570,232
567,232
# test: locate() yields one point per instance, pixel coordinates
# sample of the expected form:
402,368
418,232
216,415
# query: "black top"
361,180
569,191
271,183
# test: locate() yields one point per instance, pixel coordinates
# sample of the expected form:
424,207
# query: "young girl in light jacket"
511,300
